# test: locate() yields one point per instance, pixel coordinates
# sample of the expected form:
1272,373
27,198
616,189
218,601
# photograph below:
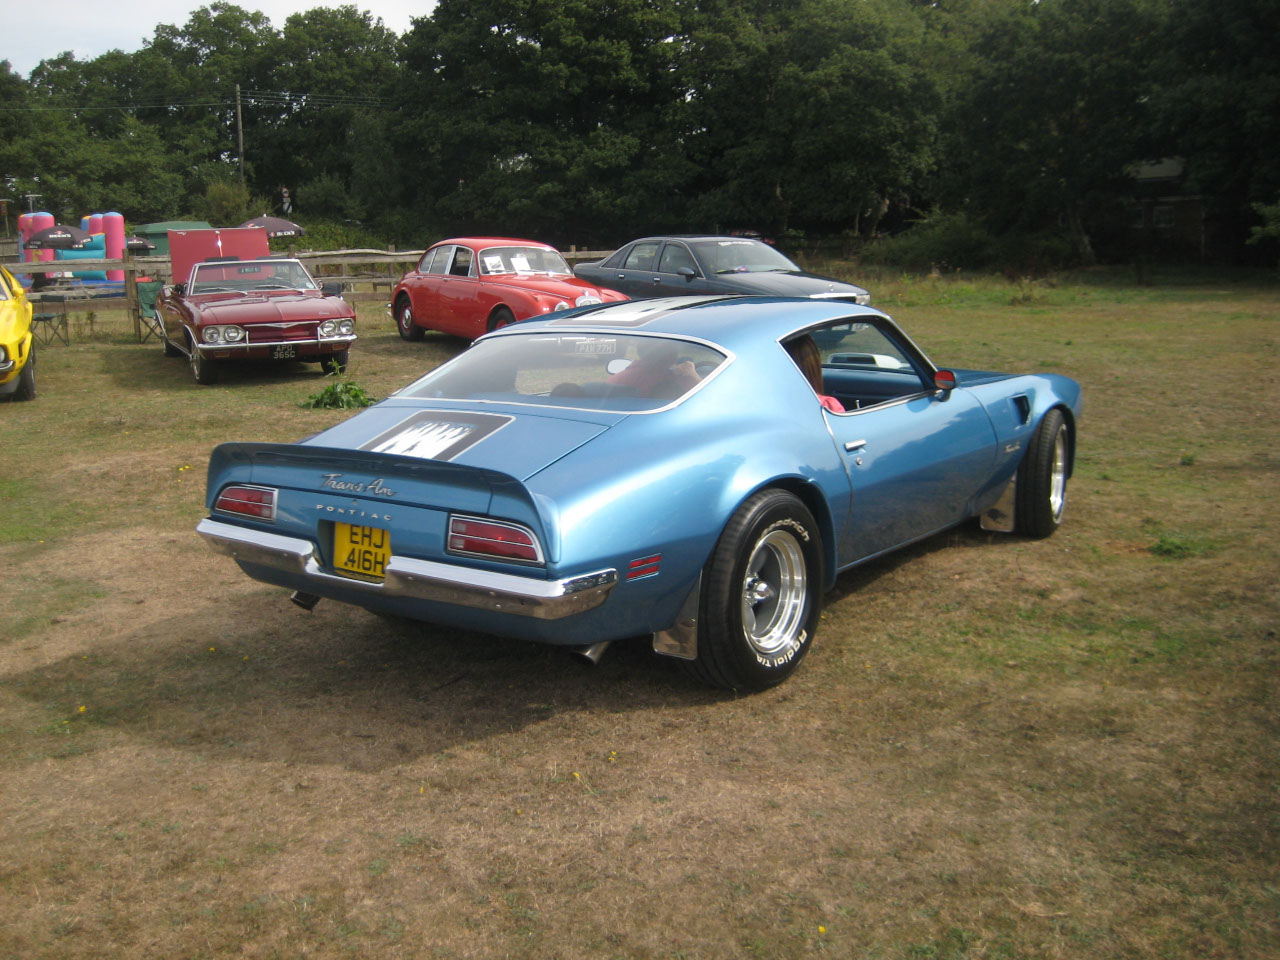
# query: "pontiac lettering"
334,481
352,512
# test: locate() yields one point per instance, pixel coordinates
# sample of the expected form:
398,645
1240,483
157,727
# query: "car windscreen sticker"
435,434
520,263
493,264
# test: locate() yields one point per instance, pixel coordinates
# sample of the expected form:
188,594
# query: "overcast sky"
35,31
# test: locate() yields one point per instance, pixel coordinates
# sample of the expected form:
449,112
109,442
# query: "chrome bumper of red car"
244,345
418,579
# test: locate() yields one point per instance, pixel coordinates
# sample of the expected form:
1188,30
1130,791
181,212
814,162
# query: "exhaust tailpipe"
305,600
592,652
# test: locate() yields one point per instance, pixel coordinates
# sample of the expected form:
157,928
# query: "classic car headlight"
863,299
560,305
222,334
587,301
328,328
346,327
4,355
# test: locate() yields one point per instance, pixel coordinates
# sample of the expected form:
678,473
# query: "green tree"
1053,110
1217,103
807,113
551,118
324,112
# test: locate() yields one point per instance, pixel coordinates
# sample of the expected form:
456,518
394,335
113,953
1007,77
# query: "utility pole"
240,134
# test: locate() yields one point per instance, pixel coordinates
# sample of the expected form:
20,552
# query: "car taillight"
494,539
256,502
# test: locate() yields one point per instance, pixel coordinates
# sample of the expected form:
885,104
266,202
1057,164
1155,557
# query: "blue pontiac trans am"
696,469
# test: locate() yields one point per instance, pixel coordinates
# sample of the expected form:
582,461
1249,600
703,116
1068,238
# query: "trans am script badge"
435,434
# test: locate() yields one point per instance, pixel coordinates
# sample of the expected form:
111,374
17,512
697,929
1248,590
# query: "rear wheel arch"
808,494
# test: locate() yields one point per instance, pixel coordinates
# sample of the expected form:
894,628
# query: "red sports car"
471,285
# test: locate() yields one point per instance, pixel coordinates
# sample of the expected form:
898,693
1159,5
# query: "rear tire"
404,321
1042,478
761,595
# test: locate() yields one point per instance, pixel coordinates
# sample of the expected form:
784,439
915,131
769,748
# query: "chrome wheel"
774,590
1041,492
1058,474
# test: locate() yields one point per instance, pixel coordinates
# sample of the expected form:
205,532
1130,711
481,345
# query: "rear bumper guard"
417,579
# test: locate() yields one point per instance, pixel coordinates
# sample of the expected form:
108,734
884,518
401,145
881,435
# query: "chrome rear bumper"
416,579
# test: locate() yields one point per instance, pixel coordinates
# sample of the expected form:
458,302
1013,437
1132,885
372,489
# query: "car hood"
284,307
790,284
562,288
513,439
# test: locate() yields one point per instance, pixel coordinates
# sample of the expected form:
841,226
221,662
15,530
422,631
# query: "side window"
441,262
675,256
462,258
641,256
5,292
862,365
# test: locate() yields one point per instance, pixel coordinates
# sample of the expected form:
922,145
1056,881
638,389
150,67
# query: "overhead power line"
251,97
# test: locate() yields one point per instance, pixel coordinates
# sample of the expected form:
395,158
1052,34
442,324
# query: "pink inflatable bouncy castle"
107,230
30,223
111,226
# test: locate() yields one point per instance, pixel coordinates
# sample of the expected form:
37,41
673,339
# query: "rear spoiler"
277,464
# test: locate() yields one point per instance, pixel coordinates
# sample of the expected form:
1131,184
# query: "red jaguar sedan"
468,286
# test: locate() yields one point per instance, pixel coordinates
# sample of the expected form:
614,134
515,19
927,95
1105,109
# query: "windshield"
522,260
741,256
589,371
229,275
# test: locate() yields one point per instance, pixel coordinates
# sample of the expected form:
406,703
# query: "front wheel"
26,389
202,368
404,321
340,359
500,318
1042,478
761,595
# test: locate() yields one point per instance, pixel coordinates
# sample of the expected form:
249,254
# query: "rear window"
603,371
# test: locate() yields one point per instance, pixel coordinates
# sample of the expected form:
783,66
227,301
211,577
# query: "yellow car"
17,346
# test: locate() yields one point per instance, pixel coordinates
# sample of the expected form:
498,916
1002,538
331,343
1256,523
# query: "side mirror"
331,288
179,289
687,272
944,380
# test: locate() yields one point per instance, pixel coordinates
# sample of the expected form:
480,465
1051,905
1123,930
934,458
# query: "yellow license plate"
361,551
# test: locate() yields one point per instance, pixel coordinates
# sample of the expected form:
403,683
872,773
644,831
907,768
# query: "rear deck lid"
518,441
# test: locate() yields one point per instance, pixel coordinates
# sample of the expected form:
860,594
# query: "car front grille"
277,332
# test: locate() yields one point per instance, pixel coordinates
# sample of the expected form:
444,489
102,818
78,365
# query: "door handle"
853,445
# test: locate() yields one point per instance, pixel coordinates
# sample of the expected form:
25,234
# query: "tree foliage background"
973,131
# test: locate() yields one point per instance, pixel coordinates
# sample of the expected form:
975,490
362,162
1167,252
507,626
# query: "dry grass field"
998,748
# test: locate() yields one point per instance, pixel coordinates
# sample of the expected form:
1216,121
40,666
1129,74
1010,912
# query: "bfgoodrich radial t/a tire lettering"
762,595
